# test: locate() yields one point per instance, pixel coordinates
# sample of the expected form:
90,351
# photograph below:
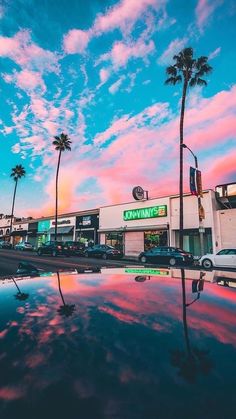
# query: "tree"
190,71
193,361
61,143
21,296
17,173
66,309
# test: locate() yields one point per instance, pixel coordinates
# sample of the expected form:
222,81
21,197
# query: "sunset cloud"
204,10
76,41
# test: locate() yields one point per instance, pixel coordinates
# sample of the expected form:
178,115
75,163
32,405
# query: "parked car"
76,248
104,251
5,245
23,246
167,255
53,248
224,258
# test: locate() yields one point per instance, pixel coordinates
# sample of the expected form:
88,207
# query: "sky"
95,70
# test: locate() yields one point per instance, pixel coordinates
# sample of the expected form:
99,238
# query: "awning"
20,233
134,228
60,230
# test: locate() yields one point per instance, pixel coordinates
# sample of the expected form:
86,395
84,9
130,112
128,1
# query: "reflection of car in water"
167,255
225,258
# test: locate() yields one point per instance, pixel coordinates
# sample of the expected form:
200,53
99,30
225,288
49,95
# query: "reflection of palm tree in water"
20,295
193,360
66,309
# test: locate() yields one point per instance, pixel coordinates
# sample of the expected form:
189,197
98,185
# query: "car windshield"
133,342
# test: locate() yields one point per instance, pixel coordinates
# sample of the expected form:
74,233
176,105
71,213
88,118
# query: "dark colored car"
104,251
76,248
167,255
5,245
53,248
104,346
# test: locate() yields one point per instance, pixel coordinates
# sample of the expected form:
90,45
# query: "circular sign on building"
138,193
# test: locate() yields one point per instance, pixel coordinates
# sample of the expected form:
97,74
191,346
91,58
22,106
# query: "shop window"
155,238
115,239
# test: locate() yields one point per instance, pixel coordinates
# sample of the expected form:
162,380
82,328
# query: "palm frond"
62,142
171,71
18,171
173,80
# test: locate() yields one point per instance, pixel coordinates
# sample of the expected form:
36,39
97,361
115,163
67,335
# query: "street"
9,261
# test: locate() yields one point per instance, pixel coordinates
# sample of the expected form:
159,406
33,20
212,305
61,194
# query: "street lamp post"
201,228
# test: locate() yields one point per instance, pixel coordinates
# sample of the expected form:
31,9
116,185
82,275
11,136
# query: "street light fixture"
201,228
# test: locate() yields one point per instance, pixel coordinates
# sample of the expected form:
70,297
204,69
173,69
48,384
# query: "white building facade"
139,225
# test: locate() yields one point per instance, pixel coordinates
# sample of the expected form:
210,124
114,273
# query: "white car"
23,246
225,257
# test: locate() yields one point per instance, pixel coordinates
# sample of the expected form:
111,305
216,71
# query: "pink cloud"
173,48
104,75
121,52
143,148
27,54
214,53
124,14
11,393
204,9
115,86
29,80
76,41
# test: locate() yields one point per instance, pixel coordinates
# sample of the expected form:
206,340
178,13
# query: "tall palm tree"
17,173
61,143
190,71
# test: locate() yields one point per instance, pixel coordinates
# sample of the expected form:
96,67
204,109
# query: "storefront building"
19,232
32,236
65,229
5,223
87,224
42,232
140,225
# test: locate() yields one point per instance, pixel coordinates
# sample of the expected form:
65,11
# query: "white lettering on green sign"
141,213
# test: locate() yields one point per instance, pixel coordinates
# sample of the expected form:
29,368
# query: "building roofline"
157,197
67,214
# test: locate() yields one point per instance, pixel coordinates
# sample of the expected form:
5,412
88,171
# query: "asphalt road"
9,261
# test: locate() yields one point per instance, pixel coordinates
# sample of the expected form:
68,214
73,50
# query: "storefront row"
139,225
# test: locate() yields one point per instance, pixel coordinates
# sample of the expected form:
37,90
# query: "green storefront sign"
43,226
141,213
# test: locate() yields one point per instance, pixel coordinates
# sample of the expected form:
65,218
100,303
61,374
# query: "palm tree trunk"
19,291
56,212
181,128
184,313
13,205
59,286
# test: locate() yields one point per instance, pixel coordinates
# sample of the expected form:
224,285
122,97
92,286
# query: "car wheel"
86,254
104,256
143,259
207,263
54,253
172,261
39,252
